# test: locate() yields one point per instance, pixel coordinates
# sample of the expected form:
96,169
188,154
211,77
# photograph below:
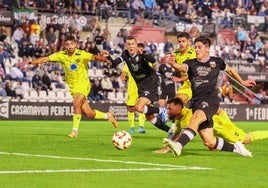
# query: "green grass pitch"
38,154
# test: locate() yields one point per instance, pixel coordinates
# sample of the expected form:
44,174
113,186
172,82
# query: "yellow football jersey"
180,58
132,90
76,69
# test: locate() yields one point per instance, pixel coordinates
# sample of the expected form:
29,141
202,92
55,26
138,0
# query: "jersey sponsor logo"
73,67
4,110
213,64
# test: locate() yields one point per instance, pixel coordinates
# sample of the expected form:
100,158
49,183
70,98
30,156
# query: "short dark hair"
131,38
175,101
183,34
140,44
204,40
70,37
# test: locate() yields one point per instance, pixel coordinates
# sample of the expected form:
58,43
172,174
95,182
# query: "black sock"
161,126
152,110
186,136
223,145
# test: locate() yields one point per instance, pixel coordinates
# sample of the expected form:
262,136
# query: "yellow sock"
225,118
100,115
131,119
76,121
258,135
141,119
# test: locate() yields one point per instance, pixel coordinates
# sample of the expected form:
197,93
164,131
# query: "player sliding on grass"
222,127
75,64
203,73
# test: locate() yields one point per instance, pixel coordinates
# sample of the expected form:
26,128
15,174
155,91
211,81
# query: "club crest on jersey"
137,58
204,105
73,67
213,64
77,60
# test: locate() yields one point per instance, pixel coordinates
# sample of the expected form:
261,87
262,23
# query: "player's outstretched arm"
39,60
235,75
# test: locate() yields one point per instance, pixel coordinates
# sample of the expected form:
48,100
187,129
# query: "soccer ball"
121,140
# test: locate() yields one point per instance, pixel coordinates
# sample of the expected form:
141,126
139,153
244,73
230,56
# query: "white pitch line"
92,170
167,166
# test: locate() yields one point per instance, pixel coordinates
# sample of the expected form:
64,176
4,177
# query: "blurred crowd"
35,38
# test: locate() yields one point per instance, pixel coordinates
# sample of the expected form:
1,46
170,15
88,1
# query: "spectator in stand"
241,37
15,73
106,32
225,54
60,42
57,79
119,40
116,84
42,23
169,13
2,73
3,57
168,46
150,7
253,32
95,26
17,35
136,9
19,90
3,92
206,7
9,89
46,80
51,36
37,83
96,92
258,44
74,23
3,33
35,27
227,92
227,18
26,50
99,40
106,85
105,10
26,27
250,46
262,58
260,95
34,37
94,50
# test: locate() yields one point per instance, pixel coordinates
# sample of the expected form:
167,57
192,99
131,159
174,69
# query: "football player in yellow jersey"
132,97
75,64
222,127
184,52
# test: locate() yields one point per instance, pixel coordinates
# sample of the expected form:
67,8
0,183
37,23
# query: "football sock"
258,135
141,119
101,115
151,110
186,136
223,145
158,123
76,121
131,117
